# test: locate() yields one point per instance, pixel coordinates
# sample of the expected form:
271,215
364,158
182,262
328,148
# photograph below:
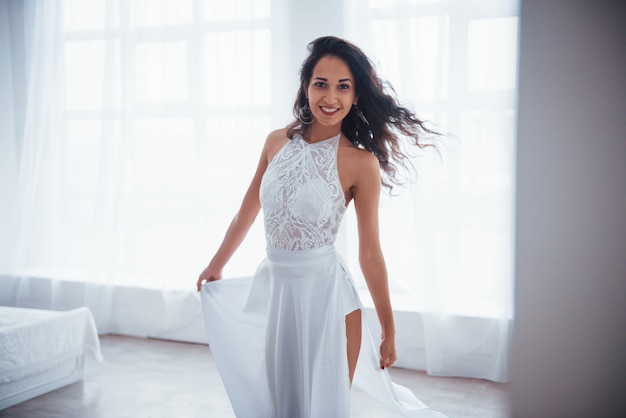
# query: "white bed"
42,350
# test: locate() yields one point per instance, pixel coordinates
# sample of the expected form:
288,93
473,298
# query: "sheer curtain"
449,239
143,122
133,136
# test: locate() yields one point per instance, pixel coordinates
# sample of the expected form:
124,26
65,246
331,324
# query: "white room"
131,129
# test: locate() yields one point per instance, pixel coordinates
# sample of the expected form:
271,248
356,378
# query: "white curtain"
120,165
449,239
9,119
138,126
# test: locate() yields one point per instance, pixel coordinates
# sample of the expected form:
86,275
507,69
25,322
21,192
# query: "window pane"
488,138
233,148
413,55
83,139
492,53
164,155
89,14
237,68
236,9
92,156
92,75
397,3
226,138
161,12
161,72
230,170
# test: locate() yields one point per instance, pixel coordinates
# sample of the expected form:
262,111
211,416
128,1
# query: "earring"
304,114
360,114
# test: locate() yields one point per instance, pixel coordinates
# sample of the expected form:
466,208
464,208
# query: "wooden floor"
155,378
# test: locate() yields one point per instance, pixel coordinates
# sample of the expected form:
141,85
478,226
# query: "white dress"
279,338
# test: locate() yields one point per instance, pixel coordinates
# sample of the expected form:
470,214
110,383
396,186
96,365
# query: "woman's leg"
353,335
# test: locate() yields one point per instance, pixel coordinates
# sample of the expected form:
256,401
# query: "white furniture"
43,350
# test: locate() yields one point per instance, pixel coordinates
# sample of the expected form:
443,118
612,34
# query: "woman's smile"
331,91
329,110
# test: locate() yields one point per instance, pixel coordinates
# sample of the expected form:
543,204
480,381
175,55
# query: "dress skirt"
279,340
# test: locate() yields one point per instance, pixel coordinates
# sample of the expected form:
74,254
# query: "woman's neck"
318,133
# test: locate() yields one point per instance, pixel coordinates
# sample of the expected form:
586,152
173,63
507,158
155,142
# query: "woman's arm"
244,218
366,193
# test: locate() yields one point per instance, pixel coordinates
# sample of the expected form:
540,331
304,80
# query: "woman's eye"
320,84
344,87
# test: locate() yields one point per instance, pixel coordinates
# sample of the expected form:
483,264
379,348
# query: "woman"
288,341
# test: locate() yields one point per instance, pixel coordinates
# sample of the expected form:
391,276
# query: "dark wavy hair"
388,121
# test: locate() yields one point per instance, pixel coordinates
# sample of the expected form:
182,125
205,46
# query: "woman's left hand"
387,353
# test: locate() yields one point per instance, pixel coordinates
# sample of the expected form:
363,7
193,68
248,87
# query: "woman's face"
331,91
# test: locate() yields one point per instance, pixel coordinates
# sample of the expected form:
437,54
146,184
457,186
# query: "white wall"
569,350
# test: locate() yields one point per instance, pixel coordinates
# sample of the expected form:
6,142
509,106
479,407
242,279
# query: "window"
154,92
455,63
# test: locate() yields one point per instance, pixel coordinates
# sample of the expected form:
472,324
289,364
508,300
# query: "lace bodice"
302,198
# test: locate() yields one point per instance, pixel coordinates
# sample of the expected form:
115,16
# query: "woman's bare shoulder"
360,159
358,168
275,141
277,135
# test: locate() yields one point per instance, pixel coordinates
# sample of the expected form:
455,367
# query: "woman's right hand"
209,274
